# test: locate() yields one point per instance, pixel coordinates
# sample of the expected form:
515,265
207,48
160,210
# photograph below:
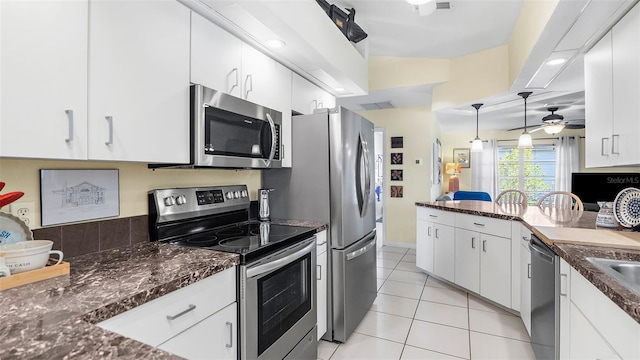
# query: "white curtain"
567,161
484,169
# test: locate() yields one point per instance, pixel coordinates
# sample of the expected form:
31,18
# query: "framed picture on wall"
396,158
396,191
396,175
462,156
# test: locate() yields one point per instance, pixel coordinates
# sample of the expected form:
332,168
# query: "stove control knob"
236,194
244,193
229,195
169,201
181,200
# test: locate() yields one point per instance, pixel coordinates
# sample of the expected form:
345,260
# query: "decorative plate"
626,207
13,230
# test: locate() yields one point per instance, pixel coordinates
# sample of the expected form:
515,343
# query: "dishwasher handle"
540,252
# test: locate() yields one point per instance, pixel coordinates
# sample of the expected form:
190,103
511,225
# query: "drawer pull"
433,216
230,344
173,317
478,224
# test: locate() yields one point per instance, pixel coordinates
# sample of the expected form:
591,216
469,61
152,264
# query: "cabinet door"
216,56
565,309
44,79
444,252
139,81
625,147
424,245
525,286
495,269
257,74
306,96
467,264
586,342
598,94
213,338
321,302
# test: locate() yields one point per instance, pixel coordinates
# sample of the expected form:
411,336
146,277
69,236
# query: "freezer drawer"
354,285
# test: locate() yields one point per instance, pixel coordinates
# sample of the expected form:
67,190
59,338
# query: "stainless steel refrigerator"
331,180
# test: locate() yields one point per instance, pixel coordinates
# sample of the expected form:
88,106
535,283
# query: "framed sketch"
397,142
396,158
396,175
396,191
462,157
77,195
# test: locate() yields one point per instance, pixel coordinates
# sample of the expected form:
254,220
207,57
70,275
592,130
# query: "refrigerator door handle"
371,244
367,177
363,176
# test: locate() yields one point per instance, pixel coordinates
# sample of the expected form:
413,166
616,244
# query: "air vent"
445,5
378,105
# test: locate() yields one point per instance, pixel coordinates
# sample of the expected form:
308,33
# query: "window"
530,170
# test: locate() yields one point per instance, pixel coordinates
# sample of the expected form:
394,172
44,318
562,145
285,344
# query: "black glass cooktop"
249,239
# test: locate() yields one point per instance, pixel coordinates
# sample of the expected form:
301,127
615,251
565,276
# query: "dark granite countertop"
575,254
306,223
55,318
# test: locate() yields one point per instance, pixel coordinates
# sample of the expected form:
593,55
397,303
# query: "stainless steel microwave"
229,132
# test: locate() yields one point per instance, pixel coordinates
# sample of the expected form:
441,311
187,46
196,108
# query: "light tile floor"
418,317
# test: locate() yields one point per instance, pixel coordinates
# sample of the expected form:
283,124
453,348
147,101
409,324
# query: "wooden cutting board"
592,237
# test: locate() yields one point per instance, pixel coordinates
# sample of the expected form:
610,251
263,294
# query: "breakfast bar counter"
56,318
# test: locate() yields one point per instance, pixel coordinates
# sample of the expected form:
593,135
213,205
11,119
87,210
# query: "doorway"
379,146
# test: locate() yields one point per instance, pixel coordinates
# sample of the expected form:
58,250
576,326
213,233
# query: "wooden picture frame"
462,156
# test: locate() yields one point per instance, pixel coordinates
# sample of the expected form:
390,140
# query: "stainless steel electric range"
277,271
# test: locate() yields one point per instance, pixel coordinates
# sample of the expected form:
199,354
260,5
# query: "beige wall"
416,125
393,72
135,180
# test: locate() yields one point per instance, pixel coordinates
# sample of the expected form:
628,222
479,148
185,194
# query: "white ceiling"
396,29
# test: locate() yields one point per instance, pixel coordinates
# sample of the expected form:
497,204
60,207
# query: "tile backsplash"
85,238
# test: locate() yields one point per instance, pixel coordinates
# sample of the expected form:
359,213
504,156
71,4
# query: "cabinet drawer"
483,224
436,216
157,321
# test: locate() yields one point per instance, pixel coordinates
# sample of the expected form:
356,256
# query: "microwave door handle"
273,140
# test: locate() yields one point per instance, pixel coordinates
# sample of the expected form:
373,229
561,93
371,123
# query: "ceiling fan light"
476,145
553,129
525,141
427,8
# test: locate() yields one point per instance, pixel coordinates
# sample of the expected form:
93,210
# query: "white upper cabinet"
139,81
306,97
43,96
216,56
612,90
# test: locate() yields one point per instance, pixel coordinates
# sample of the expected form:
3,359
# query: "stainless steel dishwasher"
545,300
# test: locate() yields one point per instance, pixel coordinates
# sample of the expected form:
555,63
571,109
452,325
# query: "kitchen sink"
626,272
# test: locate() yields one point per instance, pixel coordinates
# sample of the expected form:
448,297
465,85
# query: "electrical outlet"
25,211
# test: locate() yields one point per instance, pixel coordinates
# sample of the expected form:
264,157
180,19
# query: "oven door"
232,132
278,301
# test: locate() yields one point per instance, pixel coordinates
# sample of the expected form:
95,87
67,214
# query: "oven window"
284,297
231,134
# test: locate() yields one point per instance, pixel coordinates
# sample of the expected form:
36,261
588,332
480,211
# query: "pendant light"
524,141
476,145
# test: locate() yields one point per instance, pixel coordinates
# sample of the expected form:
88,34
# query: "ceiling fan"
554,123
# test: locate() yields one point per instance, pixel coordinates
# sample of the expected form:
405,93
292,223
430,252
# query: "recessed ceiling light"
556,62
339,89
275,44
418,2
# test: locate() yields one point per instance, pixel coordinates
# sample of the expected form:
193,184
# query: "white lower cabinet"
174,322
599,328
321,285
435,247
525,285
213,338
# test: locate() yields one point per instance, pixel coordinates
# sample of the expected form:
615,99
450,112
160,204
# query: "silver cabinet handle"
473,242
230,344
613,145
110,121
603,147
282,152
315,104
563,284
318,272
248,89
237,79
429,231
320,105
437,234
173,317
478,224
529,271
484,245
70,118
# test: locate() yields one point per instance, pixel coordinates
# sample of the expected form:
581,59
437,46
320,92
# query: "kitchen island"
574,236
56,318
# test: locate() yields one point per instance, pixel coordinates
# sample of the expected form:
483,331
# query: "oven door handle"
362,250
276,264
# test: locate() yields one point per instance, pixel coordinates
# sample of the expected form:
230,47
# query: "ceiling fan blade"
518,128
536,129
